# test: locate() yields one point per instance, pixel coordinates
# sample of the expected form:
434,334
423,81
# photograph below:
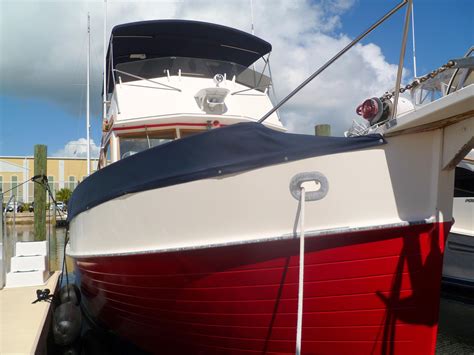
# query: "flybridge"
181,38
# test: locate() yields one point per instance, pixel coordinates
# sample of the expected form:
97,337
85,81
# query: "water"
456,325
25,233
456,321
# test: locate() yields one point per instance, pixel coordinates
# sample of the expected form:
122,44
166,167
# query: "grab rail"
151,81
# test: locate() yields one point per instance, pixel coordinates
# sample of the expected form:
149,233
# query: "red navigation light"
216,123
368,109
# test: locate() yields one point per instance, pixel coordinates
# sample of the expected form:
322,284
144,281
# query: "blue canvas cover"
218,152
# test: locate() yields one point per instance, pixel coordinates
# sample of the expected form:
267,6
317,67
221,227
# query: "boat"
209,229
458,268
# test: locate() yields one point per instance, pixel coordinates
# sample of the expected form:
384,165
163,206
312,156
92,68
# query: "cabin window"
133,143
14,185
72,183
189,132
464,183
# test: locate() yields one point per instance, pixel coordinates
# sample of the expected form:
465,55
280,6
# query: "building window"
72,183
14,185
51,183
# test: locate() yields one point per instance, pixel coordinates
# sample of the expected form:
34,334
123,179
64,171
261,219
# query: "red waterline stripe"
161,125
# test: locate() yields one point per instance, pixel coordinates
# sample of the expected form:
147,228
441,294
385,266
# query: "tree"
63,195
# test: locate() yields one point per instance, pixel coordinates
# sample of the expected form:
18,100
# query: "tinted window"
464,183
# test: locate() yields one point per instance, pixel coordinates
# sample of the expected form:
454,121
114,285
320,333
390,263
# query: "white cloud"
47,58
78,149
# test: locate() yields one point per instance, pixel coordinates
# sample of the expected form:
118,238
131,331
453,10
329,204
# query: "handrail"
3,234
151,81
333,59
3,267
256,87
6,206
402,58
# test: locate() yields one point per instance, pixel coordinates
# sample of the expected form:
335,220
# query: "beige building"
62,173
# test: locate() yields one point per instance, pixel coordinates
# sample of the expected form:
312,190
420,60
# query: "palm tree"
63,195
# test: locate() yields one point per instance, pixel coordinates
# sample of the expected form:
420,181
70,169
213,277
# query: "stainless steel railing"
3,255
344,50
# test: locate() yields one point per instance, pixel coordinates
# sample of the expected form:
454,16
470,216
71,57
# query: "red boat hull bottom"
370,292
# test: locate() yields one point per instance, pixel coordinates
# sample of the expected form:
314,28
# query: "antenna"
253,33
88,126
251,17
104,98
413,37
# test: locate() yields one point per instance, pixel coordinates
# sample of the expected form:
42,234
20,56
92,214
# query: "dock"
24,326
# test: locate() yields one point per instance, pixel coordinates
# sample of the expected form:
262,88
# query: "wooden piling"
322,130
40,193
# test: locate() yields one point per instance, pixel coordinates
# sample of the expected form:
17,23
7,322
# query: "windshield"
441,85
134,143
464,181
193,67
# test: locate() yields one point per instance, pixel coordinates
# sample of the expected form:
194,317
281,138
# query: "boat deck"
23,325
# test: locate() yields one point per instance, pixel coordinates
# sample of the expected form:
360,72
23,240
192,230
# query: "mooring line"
299,324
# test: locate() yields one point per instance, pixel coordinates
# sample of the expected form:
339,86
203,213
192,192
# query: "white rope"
299,324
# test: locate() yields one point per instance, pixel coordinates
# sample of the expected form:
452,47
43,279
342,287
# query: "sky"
43,58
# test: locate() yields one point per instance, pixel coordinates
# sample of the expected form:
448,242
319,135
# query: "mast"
88,126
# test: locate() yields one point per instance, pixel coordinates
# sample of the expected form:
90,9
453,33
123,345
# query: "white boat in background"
458,268
187,240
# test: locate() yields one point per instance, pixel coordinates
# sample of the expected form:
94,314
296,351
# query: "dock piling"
40,193
322,130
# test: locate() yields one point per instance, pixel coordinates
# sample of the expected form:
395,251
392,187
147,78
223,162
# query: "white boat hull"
367,188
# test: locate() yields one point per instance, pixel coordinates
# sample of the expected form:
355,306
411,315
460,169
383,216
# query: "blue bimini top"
183,38
235,148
